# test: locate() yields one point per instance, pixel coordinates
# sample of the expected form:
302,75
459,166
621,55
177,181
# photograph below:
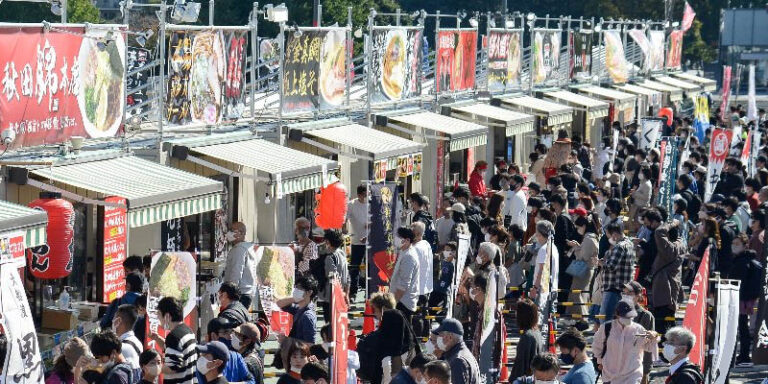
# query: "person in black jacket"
231,308
691,198
564,231
731,178
678,344
746,268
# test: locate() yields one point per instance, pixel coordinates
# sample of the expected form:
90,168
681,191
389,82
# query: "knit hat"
74,350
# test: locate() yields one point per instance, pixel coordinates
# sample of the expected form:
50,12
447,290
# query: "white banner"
461,259
751,98
23,364
638,35
756,137
650,131
726,328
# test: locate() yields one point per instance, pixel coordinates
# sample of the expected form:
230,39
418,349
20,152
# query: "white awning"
462,134
30,222
515,123
709,85
594,108
621,100
554,113
684,85
675,94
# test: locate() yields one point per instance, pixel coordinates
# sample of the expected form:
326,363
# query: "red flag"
688,15
745,151
696,312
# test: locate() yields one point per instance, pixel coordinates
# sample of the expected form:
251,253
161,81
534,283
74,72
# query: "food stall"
20,228
511,134
648,100
269,185
550,116
451,145
360,150
708,85
689,88
588,113
622,104
670,96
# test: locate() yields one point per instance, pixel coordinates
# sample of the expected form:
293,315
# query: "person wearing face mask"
134,284
666,277
547,263
641,196
387,349
496,180
531,342
464,367
178,346
679,342
426,272
439,296
573,351
246,339
235,369
486,344
405,276
633,293
305,248
617,266
619,346
380,302
335,264
437,372
295,355
323,353
444,223
515,211
731,177
302,307
240,259
212,363
230,306
151,364
122,325
414,373
106,349
747,269
545,369
583,251
477,179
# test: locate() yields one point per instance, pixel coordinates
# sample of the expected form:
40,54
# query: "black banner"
396,63
171,235
504,59
137,58
581,51
385,219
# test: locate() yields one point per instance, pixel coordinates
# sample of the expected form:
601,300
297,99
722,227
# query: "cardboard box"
87,311
56,319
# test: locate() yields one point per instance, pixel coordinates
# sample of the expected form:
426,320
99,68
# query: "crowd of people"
578,234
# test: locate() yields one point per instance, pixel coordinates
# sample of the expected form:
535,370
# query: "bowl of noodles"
173,275
101,98
393,65
333,59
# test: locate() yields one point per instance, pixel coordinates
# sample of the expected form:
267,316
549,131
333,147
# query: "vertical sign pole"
161,41
282,86
254,58
569,50
349,46
532,32
211,6
437,55
64,11
397,17
488,16
368,55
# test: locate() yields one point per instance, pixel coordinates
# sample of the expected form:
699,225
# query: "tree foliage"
82,11
78,11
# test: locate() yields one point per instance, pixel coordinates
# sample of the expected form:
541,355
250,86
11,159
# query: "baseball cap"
451,326
217,349
458,207
634,287
219,324
625,310
578,211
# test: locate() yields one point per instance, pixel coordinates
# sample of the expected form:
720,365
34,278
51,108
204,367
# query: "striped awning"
153,192
621,100
376,144
462,134
709,85
555,114
595,109
684,85
675,93
515,123
653,96
31,222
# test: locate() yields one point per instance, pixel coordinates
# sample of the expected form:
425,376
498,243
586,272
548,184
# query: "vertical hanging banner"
545,55
650,129
385,219
396,57
59,84
581,55
675,50
615,61
22,361
688,15
718,150
236,43
274,271
641,39
695,319
462,253
314,70
115,246
668,171
171,235
744,157
760,346
138,58
172,274
756,137
505,54
726,91
657,40
701,116
751,97
456,58
726,330
339,313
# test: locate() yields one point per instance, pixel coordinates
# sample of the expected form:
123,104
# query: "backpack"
608,326
430,233
369,367
119,367
752,283
691,371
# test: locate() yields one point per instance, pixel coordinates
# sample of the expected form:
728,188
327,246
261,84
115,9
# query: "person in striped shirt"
179,344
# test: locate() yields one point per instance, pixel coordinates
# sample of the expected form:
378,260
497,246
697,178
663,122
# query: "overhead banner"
657,40
546,56
236,43
274,271
59,84
641,39
22,361
726,330
695,319
115,248
650,129
726,91
340,328
669,150
138,58
396,57
718,150
700,116
456,58
581,52
675,50
385,219
505,54
615,61
751,96
314,70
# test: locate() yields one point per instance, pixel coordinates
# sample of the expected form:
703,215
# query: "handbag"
577,268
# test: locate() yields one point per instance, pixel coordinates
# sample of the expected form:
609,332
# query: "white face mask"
641,177
202,365
624,321
472,293
669,352
153,370
298,295
529,209
479,260
487,237
628,298
441,344
611,241
327,345
230,236
737,249
430,347
398,242
235,341
447,254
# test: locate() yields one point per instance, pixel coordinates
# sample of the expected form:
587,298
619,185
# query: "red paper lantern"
53,260
667,112
331,211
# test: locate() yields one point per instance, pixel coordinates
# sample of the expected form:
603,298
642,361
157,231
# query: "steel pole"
254,57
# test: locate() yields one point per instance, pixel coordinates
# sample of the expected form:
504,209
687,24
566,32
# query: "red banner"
57,84
675,49
726,92
745,151
115,227
688,15
340,333
696,311
455,61
719,146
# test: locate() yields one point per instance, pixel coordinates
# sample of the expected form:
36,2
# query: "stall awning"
709,85
18,218
675,94
684,85
595,109
653,96
621,100
515,123
462,134
153,192
291,170
555,113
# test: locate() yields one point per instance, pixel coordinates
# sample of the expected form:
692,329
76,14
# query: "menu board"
115,231
546,56
456,58
504,59
396,56
581,52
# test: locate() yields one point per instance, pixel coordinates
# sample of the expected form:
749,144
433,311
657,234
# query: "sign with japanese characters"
172,274
505,55
138,58
718,150
396,63
12,246
546,56
314,70
581,55
339,313
171,235
385,219
669,151
59,84
234,85
115,229
455,61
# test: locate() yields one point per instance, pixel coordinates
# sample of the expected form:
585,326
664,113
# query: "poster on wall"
385,219
455,60
274,271
314,70
57,84
675,51
115,240
615,61
172,274
22,361
196,68
12,246
546,56
396,63
504,59
657,41
581,51
138,58
236,43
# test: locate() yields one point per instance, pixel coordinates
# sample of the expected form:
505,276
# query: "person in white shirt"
444,224
424,253
603,157
122,325
404,283
357,219
516,207
240,262
545,274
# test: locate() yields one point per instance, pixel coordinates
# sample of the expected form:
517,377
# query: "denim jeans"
608,307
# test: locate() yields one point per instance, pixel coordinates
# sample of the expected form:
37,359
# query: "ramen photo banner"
55,85
314,70
546,56
657,41
675,52
456,57
504,59
236,43
581,62
615,61
396,63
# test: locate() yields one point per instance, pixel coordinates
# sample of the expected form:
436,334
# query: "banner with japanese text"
546,56
641,39
456,58
675,50
396,58
726,331
615,60
12,248
669,150
658,44
650,129
505,55
719,147
59,84
314,70
340,327
172,274
384,212
22,363
581,52
700,116
695,319
236,43
138,58
115,246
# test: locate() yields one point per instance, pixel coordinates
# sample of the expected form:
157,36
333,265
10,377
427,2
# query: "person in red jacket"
477,179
